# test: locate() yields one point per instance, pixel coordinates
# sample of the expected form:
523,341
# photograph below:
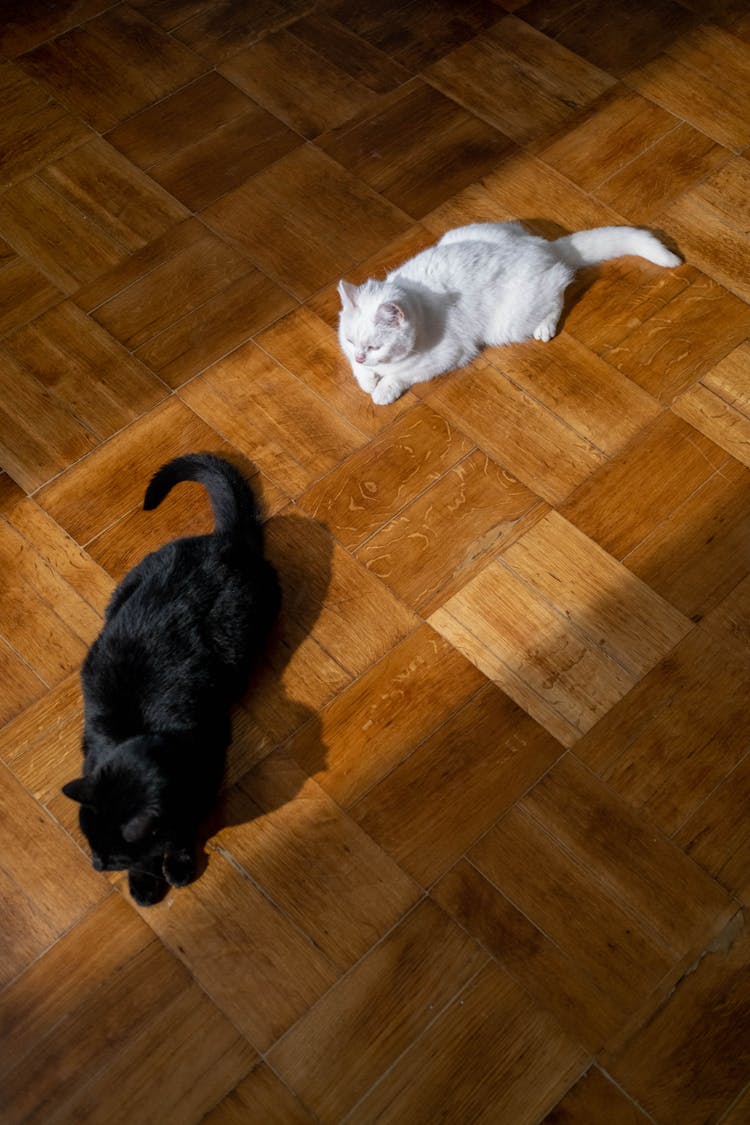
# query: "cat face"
121,809
376,329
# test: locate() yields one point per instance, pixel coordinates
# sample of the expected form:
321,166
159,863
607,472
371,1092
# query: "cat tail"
235,510
587,247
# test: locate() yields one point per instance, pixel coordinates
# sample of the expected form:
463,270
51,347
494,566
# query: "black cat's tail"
235,510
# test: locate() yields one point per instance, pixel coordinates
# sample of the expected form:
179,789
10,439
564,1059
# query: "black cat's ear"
390,313
139,825
78,790
348,294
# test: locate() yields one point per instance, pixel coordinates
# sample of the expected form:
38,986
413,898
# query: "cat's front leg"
366,377
179,864
146,882
387,391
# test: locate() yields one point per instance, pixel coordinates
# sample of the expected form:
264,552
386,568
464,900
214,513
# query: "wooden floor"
484,852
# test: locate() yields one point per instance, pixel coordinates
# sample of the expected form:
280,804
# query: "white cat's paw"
366,378
546,329
386,392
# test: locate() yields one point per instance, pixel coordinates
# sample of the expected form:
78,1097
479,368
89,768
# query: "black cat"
179,639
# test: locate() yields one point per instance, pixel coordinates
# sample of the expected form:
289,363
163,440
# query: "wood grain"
480,852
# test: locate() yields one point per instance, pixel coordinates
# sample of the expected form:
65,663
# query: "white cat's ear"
390,313
348,294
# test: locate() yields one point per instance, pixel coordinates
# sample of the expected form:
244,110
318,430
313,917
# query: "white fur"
488,283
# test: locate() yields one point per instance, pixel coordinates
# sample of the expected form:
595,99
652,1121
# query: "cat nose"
359,357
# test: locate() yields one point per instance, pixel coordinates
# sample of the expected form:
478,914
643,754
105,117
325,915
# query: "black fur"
181,633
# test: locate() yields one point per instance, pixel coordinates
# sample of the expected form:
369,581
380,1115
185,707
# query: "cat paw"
367,379
387,392
546,330
179,867
145,889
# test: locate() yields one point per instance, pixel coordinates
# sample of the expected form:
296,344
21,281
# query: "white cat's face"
376,331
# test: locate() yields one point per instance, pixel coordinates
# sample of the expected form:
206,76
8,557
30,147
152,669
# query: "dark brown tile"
624,34
418,149
312,247
415,32
706,1019
34,128
520,81
445,795
112,66
297,84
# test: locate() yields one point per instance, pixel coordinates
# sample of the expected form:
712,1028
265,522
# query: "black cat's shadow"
301,550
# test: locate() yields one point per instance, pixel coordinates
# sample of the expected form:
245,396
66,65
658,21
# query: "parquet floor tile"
665,365
481,851
310,858
619,37
204,140
716,835
361,494
519,80
261,1095
310,248
67,354
710,223
631,495
606,626
523,187
508,1061
433,546
516,430
46,884
634,155
24,292
697,555
289,77
384,715
375,1011
717,989
702,78
275,419
415,32
216,31
34,128
28,26
413,150
112,66
578,387
134,990
593,1099
455,785
56,236
662,747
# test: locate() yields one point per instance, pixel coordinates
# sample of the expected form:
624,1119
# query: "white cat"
488,283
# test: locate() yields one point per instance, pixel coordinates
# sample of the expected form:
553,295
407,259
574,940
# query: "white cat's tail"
587,247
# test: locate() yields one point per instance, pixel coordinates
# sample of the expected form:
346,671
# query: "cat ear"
390,313
348,294
78,790
139,825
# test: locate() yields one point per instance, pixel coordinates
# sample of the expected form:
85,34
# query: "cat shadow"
586,275
268,715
